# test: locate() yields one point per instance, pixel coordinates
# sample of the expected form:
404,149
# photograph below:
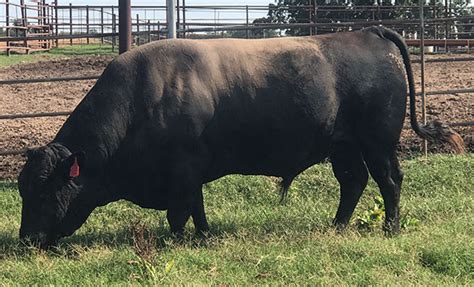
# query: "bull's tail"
435,131
284,186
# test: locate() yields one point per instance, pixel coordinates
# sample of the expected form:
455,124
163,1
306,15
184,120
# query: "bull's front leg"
185,199
180,207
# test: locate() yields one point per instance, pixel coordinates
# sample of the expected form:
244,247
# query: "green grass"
254,240
63,51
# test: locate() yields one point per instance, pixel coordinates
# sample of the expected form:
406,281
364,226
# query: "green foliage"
373,217
280,13
256,241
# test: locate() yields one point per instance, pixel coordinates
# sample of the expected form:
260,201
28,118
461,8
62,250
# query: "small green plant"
408,222
372,217
144,246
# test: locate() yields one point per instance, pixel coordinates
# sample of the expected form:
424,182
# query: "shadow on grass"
10,245
8,185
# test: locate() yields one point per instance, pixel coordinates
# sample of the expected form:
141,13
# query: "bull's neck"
99,123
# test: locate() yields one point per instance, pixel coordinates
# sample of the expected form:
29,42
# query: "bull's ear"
71,166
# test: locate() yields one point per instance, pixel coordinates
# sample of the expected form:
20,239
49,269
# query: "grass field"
255,240
63,51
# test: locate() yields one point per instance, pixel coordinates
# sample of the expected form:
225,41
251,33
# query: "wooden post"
102,24
70,22
7,19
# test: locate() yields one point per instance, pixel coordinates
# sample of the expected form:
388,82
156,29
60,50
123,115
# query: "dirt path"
64,96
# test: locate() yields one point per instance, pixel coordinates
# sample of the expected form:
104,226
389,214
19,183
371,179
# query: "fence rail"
81,22
70,22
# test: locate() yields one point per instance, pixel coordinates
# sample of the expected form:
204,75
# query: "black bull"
167,117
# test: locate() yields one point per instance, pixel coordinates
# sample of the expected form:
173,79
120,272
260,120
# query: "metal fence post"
247,20
114,31
178,20
24,17
56,14
310,18
87,23
70,22
149,31
125,26
171,18
315,17
7,20
422,54
102,24
138,30
184,18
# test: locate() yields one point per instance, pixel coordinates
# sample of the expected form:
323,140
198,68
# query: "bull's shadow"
10,244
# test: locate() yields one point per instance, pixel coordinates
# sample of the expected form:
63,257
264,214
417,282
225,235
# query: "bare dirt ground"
64,96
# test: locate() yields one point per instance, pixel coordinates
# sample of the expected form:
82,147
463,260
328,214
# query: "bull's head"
49,185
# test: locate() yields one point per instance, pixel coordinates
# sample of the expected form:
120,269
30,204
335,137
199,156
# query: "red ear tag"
74,171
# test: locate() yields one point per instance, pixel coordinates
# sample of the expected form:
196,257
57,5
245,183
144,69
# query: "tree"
291,11
255,33
294,11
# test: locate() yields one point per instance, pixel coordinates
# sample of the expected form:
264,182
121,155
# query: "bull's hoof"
391,229
340,225
202,233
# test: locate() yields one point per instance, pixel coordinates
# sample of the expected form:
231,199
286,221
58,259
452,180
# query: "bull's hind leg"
199,215
385,170
350,170
396,172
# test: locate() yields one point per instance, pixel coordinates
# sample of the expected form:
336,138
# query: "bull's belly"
282,156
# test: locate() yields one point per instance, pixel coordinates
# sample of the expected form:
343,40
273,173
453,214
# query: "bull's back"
252,107
271,111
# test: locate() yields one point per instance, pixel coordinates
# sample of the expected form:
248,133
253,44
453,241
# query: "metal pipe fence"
69,22
88,20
